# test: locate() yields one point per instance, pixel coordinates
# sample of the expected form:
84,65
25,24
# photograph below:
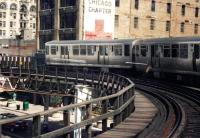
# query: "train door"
155,56
64,52
103,55
195,56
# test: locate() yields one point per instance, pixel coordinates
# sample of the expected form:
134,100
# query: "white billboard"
99,19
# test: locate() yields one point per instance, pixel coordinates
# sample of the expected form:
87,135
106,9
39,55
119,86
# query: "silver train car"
180,55
90,53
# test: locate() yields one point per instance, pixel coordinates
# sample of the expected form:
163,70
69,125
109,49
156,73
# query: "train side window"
175,50
196,50
118,50
75,50
126,50
137,51
143,51
90,50
101,50
106,50
183,51
83,50
62,50
167,51
47,50
66,50
153,50
95,48
53,50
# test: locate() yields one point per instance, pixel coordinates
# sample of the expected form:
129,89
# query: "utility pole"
18,38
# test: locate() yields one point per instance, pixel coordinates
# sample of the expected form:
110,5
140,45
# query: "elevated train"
102,53
179,55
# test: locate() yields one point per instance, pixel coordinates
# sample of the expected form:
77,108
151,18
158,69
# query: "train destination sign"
99,19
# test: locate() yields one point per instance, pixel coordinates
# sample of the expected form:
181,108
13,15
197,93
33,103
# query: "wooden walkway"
144,112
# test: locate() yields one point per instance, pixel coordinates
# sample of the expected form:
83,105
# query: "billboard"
99,19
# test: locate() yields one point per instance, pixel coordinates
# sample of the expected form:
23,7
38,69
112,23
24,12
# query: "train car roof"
170,40
60,42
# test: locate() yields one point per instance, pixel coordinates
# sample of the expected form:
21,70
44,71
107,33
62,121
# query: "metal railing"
121,98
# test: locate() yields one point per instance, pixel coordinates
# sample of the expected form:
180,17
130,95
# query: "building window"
11,24
182,27
34,26
135,22
183,10
33,9
136,4
168,7
152,24
168,26
23,8
13,15
2,23
68,20
13,6
117,3
47,22
67,35
2,15
196,27
116,20
4,32
3,6
153,5
47,4
66,3
196,12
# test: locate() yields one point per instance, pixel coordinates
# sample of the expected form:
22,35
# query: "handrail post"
66,114
36,127
132,94
89,116
0,130
121,102
116,105
104,110
127,97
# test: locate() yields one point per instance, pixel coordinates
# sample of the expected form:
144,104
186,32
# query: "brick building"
64,19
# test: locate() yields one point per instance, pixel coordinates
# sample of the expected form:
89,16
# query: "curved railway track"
182,108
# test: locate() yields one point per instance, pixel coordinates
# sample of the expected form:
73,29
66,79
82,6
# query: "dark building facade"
69,19
57,20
